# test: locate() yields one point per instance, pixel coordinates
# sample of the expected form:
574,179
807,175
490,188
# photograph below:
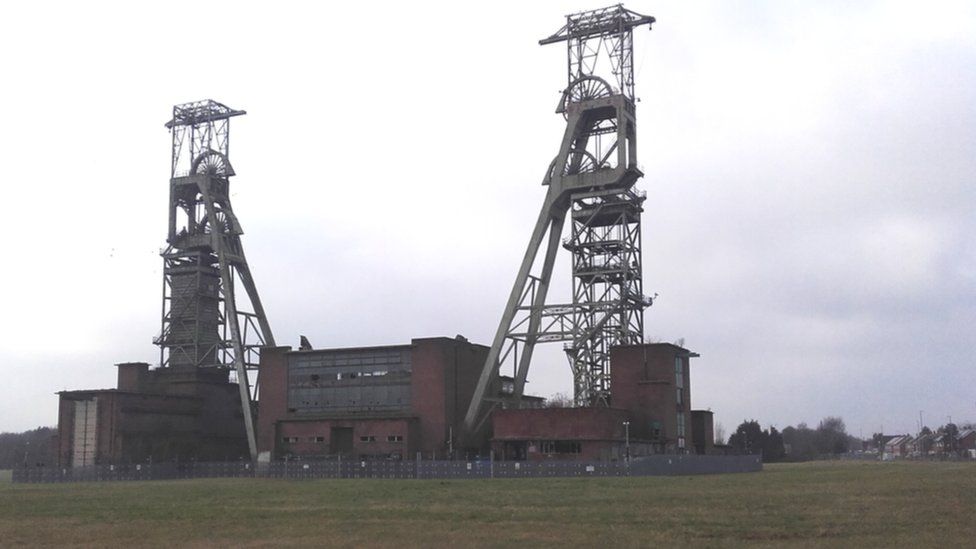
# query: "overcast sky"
810,171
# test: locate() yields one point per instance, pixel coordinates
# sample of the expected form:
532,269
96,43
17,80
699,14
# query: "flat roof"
682,350
400,346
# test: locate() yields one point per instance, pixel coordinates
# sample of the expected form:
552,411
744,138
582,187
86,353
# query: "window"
560,447
394,438
290,439
367,438
655,429
679,374
568,447
681,426
678,395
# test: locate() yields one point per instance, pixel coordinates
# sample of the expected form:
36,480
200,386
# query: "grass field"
833,504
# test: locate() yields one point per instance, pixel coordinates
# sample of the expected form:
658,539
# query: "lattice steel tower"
203,324
591,180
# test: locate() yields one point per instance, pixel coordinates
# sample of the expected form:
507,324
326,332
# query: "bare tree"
719,434
559,400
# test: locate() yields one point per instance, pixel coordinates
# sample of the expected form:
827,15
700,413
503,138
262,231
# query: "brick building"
650,412
703,431
585,434
162,414
386,402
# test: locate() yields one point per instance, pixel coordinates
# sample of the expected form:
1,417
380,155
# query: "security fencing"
658,465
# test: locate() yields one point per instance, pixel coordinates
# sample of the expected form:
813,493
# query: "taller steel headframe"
591,180
204,325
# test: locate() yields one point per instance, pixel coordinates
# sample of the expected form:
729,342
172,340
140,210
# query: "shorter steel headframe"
204,325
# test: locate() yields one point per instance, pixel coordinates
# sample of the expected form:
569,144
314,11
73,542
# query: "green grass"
834,504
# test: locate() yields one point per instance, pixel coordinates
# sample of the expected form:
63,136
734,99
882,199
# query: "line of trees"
798,443
30,447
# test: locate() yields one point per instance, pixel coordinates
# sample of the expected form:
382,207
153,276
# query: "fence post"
417,467
491,463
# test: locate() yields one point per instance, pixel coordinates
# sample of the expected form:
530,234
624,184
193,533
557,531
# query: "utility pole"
627,440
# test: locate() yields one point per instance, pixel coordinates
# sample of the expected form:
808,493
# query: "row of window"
364,438
352,375
333,360
293,440
679,383
389,438
679,374
560,447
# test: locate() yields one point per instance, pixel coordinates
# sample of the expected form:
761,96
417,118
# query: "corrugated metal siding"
350,381
83,448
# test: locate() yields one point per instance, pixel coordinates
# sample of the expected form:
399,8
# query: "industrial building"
198,404
393,402
386,402
649,413
441,398
153,415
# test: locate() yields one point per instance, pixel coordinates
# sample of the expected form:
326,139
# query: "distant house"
966,441
922,445
945,444
897,446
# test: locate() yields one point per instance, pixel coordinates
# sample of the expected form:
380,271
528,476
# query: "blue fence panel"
407,469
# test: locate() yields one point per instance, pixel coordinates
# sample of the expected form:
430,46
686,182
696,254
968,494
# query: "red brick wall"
598,431
444,374
642,381
66,422
703,431
132,376
559,424
968,442
378,428
273,398
430,359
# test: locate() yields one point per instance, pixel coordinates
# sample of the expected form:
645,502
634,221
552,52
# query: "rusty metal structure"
591,182
206,324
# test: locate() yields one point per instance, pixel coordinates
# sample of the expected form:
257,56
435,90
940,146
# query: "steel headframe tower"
591,180
203,324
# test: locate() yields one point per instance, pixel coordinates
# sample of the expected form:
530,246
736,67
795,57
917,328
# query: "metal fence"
411,469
